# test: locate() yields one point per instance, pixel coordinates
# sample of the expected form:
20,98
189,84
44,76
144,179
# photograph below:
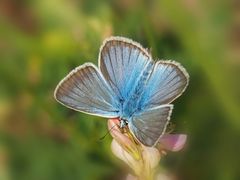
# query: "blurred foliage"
41,41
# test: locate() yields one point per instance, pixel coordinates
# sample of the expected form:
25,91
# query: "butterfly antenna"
108,132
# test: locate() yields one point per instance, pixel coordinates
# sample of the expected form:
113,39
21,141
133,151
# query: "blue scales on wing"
84,89
167,81
126,67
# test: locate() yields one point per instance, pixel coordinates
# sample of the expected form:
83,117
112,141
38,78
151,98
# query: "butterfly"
127,84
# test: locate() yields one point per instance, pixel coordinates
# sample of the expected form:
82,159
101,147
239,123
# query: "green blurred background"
41,41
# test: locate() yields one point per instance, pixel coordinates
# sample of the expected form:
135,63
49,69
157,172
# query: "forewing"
167,81
149,125
84,89
122,62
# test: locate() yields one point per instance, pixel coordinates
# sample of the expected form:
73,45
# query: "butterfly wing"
149,125
167,81
84,89
122,62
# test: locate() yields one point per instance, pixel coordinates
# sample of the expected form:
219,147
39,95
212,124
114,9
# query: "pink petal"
115,131
122,138
173,142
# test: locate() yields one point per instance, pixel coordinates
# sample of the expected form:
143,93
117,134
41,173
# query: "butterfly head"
123,123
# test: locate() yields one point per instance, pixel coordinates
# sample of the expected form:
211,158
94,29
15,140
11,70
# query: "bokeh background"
41,41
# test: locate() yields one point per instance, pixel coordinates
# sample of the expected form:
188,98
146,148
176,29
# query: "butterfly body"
128,85
132,103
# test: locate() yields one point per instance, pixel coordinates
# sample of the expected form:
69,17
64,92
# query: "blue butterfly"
129,85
